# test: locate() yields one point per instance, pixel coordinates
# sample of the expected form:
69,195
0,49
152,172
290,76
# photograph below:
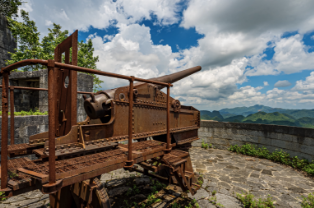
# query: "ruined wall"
25,126
7,42
294,140
27,99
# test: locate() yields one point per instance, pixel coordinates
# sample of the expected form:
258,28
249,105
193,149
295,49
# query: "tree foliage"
9,8
29,46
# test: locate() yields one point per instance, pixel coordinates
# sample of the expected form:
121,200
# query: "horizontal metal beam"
75,68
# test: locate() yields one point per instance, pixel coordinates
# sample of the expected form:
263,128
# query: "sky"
251,52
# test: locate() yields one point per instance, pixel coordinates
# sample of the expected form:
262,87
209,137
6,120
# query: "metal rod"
130,120
12,113
168,119
73,76
75,68
4,141
51,117
41,89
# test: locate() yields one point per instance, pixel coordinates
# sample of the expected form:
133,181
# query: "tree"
9,8
29,46
27,37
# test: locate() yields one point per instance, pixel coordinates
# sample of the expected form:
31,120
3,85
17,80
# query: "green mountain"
299,113
237,118
271,118
261,117
245,111
306,122
207,115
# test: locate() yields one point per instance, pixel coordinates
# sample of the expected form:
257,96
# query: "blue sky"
265,56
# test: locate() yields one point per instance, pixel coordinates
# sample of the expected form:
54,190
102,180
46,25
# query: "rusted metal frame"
88,175
41,89
4,132
75,68
108,74
164,179
89,168
168,120
38,176
51,114
130,161
12,113
73,75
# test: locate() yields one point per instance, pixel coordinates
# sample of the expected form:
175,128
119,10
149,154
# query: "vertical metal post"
130,123
51,117
4,131
12,113
168,119
73,82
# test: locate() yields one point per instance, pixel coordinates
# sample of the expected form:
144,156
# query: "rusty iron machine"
72,156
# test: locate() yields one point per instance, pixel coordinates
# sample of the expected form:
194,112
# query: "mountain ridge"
255,114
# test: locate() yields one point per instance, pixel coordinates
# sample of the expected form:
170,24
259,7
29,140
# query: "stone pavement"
224,172
229,173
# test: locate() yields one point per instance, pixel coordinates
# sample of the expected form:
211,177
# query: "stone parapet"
294,140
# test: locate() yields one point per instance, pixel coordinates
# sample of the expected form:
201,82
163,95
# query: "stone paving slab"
224,172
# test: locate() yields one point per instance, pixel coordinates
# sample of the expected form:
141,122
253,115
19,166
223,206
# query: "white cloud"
131,52
235,35
312,37
282,83
266,83
72,15
48,22
291,56
307,85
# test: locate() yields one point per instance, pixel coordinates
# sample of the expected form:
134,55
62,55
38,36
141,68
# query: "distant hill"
261,117
245,111
207,115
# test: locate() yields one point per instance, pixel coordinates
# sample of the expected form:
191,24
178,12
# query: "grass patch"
248,201
28,113
279,156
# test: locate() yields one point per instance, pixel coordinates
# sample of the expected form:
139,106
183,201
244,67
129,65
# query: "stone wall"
7,42
27,100
294,140
26,126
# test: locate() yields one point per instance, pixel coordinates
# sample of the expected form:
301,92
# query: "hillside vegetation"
276,118
245,111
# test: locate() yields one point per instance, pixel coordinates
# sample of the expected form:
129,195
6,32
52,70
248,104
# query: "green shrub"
308,202
204,145
277,156
2,196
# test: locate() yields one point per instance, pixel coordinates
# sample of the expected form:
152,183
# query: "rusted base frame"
4,139
130,162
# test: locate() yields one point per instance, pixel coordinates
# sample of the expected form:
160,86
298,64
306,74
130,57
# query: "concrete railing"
294,140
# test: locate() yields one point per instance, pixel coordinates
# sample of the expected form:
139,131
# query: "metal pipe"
41,89
51,117
12,113
75,68
130,123
168,119
4,141
73,76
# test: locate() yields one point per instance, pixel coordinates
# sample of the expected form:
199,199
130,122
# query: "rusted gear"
176,105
